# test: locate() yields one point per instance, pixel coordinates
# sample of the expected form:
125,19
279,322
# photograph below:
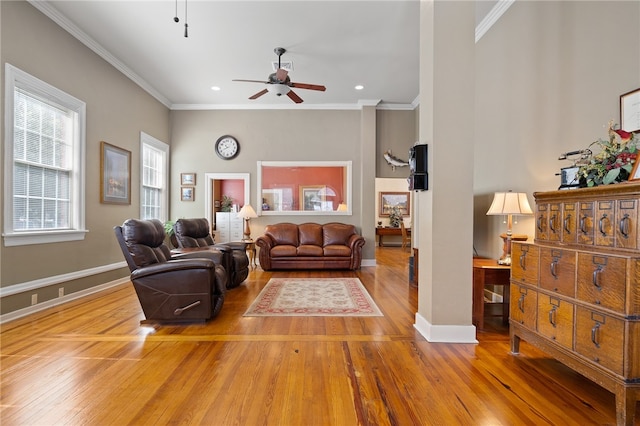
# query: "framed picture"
115,172
389,200
313,198
187,179
187,193
630,111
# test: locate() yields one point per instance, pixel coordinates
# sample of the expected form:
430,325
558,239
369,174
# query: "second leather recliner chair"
194,233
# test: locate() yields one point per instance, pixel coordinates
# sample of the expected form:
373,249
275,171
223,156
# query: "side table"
489,272
251,250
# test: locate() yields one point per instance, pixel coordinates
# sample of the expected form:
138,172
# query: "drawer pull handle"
554,270
552,316
594,335
521,303
601,225
567,220
552,224
583,224
539,223
624,226
523,262
596,276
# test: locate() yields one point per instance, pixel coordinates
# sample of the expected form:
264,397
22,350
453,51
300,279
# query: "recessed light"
215,88
359,87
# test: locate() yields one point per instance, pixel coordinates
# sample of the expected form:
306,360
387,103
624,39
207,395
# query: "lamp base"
505,260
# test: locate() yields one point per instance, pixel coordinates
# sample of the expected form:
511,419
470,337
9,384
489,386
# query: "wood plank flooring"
90,362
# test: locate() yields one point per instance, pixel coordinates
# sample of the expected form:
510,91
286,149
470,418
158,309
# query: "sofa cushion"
337,250
310,234
283,234
284,250
337,234
310,250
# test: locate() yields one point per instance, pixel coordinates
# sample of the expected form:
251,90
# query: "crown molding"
52,13
492,17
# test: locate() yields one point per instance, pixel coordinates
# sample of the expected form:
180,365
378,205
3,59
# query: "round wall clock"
227,147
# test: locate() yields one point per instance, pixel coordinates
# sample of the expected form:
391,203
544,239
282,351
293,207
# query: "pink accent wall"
295,177
233,188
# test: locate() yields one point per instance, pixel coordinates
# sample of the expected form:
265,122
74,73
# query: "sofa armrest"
355,243
265,243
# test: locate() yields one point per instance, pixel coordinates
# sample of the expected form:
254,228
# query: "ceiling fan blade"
260,93
281,74
253,81
308,86
295,98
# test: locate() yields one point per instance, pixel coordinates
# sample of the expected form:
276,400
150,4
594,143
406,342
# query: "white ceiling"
339,44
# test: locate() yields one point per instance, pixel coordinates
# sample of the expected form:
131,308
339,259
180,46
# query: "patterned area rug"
345,297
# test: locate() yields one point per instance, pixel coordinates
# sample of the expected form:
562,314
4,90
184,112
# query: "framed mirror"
304,188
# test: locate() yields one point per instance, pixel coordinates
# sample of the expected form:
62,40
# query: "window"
154,182
44,162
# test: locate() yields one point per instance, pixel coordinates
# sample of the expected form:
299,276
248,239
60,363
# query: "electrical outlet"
34,299
61,292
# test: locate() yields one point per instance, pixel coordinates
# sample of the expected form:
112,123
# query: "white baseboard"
368,262
59,301
445,333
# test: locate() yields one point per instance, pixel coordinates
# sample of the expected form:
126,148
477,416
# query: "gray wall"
548,80
117,110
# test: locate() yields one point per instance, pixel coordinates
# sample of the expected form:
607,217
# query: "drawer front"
600,338
555,319
558,271
626,226
605,218
585,223
569,223
555,222
525,262
602,280
523,305
542,225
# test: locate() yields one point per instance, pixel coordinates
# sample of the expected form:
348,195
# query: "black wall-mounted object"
419,178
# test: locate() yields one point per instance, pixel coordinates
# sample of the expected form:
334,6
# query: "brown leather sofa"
170,289
310,246
194,234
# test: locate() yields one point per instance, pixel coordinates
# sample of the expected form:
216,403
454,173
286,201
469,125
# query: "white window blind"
153,193
43,162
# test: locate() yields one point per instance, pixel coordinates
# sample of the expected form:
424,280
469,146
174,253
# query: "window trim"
14,77
146,139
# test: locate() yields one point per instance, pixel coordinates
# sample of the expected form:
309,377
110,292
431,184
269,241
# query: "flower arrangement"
613,163
395,216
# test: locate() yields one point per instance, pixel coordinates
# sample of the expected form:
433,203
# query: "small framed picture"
635,172
630,111
187,193
187,179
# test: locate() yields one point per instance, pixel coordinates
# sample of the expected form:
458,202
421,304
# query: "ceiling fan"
280,83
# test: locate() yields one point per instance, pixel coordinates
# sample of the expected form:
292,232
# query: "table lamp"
510,204
247,212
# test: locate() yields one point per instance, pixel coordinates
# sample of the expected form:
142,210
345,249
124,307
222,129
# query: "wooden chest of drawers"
575,292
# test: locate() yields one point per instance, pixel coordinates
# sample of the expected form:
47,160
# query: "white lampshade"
247,212
278,89
515,203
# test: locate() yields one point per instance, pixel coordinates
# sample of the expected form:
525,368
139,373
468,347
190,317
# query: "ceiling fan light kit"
280,83
279,89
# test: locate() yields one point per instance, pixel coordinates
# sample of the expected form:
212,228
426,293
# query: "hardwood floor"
90,362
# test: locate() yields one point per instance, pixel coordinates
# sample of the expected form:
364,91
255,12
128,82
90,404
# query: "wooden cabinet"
229,226
575,292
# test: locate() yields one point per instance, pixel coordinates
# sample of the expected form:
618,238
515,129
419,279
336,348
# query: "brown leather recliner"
194,233
170,289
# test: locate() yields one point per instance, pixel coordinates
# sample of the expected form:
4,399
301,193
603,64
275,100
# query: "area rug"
314,297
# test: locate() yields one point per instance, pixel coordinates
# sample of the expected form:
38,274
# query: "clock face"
227,147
